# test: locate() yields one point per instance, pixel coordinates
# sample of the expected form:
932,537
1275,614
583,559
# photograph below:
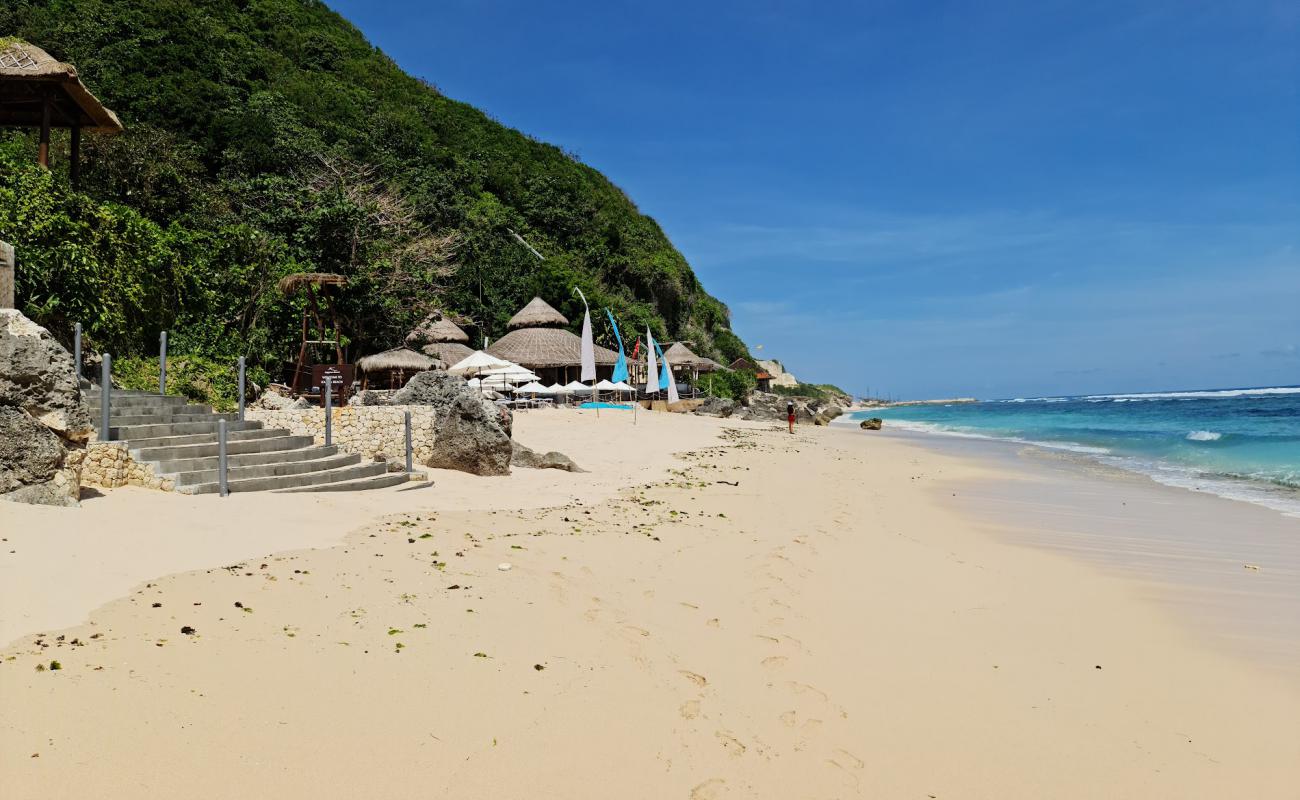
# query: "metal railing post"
105,395
241,388
162,363
329,417
76,350
409,453
222,488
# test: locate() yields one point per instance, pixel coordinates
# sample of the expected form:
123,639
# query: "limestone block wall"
109,465
368,431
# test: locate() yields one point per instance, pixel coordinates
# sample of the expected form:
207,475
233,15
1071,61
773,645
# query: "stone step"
119,400
129,432
348,473
203,438
271,470
355,485
283,441
166,418
249,459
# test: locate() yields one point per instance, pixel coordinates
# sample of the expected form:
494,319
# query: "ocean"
1238,443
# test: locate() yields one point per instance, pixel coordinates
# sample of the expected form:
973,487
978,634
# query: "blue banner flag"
620,366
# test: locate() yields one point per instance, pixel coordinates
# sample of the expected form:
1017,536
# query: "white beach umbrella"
533,388
511,374
577,388
558,388
607,386
477,362
621,386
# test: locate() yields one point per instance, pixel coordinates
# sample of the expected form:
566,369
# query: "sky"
931,199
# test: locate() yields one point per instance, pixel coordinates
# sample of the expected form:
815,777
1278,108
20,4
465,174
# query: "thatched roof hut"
537,341
290,282
29,77
395,365
679,355
546,347
437,327
449,352
537,314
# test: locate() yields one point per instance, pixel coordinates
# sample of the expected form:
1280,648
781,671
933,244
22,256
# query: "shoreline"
1227,569
759,615
1280,498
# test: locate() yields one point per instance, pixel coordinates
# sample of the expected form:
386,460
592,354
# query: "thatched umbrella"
397,363
39,91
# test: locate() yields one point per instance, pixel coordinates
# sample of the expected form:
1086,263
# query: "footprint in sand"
803,688
633,629
767,638
690,709
846,760
774,662
694,677
712,789
592,614
714,623
730,743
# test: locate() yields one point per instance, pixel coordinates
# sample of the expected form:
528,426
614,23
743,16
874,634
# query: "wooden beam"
43,155
74,166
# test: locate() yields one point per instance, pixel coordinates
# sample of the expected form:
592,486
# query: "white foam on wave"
928,427
1275,390
1204,436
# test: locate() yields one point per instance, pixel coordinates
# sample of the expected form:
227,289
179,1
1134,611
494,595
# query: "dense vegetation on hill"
266,137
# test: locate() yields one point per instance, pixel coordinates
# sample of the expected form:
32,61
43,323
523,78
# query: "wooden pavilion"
307,377
38,91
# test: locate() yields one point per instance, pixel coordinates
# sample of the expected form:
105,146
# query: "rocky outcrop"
272,400
873,424
765,405
527,457
36,375
471,434
44,421
716,407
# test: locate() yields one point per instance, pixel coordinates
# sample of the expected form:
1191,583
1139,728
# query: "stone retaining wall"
110,465
368,431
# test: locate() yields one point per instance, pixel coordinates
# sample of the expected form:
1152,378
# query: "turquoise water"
1240,443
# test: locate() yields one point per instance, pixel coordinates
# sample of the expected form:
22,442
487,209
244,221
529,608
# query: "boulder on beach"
716,407
44,420
524,456
470,434
873,424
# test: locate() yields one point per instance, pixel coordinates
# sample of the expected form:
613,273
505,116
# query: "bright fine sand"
715,610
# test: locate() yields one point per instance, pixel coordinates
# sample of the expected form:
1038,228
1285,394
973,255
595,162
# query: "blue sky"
931,199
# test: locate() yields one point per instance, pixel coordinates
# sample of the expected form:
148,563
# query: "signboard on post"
337,376
7,275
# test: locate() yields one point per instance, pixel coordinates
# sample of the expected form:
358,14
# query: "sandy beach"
717,609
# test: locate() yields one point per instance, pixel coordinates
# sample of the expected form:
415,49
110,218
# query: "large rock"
527,457
716,407
873,424
44,421
470,434
36,375
765,405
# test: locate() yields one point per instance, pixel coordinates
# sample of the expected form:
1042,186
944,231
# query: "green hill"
265,137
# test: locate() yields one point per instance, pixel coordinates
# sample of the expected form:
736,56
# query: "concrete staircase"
179,440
